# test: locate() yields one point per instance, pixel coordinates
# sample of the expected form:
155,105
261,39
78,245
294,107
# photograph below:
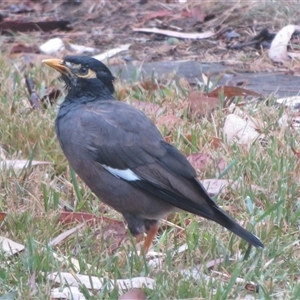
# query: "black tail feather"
223,219
209,211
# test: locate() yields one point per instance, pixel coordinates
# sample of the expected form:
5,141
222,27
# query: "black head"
84,75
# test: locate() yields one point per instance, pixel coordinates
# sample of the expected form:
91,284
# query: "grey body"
120,154
72,124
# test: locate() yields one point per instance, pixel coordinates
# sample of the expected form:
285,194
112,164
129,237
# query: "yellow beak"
57,64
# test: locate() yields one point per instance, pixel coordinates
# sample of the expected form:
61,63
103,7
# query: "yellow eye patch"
81,71
90,74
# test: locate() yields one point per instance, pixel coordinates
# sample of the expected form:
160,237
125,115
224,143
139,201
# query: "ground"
108,24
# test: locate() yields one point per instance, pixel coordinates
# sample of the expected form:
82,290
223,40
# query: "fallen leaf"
53,45
287,120
156,263
168,121
232,91
20,48
293,102
80,49
9,246
215,142
278,50
57,44
240,130
158,14
216,186
189,137
70,292
134,294
96,283
201,161
200,104
214,263
65,261
183,35
181,249
112,231
57,240
112,52
149,85
256,123
2,216
20,164
198,274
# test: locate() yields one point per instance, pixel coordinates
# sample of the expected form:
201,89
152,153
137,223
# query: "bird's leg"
138,226
151,232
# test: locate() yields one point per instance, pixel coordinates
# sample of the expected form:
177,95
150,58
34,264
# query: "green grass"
33,199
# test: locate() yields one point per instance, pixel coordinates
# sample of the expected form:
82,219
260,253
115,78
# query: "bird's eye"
83,70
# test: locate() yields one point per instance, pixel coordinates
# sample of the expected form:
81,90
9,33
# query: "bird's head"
83,74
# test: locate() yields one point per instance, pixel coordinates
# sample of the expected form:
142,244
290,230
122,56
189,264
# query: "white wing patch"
126,174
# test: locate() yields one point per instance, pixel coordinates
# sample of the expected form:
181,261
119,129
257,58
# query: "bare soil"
108,24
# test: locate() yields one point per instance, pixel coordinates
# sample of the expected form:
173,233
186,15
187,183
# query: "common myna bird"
120,154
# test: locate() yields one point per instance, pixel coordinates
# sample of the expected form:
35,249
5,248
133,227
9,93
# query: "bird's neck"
88,93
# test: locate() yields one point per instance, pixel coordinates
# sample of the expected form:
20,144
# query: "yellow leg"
150,236
147,243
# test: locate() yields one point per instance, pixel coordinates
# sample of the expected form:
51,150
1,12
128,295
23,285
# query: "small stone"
173,41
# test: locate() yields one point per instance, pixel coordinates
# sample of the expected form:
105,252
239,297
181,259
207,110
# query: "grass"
33,199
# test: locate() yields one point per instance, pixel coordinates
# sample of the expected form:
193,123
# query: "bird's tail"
223,219
206,208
